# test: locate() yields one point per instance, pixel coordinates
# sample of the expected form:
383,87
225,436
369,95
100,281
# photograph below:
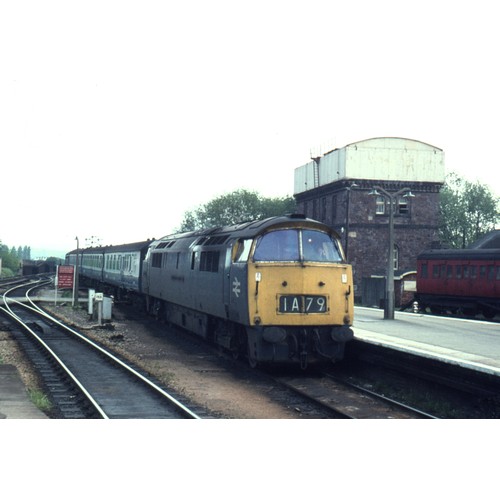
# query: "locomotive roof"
249,229
461,254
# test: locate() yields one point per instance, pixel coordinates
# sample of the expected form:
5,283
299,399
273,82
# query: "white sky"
117,117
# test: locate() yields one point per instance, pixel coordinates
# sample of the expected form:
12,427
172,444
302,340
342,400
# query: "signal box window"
380,207
403,208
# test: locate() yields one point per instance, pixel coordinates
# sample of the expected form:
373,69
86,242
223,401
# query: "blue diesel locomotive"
275,290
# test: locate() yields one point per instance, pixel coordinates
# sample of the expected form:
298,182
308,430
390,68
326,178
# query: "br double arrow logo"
236,287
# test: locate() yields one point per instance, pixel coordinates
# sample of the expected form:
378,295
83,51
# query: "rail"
39,311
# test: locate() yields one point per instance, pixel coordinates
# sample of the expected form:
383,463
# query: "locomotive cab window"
294,245
241,250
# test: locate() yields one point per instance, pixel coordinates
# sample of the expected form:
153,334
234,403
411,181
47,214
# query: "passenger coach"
466,281
118,268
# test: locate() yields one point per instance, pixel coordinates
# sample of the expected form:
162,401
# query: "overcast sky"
117,117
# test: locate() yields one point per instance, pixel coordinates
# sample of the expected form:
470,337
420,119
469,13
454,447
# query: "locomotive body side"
183,282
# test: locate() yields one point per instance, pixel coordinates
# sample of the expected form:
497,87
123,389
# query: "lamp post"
389,282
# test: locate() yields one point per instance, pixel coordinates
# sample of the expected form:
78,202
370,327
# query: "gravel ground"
179,360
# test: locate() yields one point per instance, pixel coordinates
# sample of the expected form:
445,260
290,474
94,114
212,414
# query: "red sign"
65,276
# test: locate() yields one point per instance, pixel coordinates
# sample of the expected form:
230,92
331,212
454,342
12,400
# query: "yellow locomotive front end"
300,295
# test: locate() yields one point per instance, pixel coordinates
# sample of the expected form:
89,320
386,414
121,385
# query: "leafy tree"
239,206
468,211
10,262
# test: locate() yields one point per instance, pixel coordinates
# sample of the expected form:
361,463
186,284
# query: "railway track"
349,400
83,379
319,396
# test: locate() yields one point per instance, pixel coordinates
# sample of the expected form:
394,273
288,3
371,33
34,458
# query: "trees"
10,262
11,258
239,206
468,210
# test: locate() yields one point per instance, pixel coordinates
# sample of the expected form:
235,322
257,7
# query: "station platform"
14,399
468,343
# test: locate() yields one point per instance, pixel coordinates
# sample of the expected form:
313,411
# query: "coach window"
498,273
491,273
425,271
466,272
473,272
449,272
458,272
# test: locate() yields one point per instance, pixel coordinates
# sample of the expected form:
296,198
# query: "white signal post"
75,281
